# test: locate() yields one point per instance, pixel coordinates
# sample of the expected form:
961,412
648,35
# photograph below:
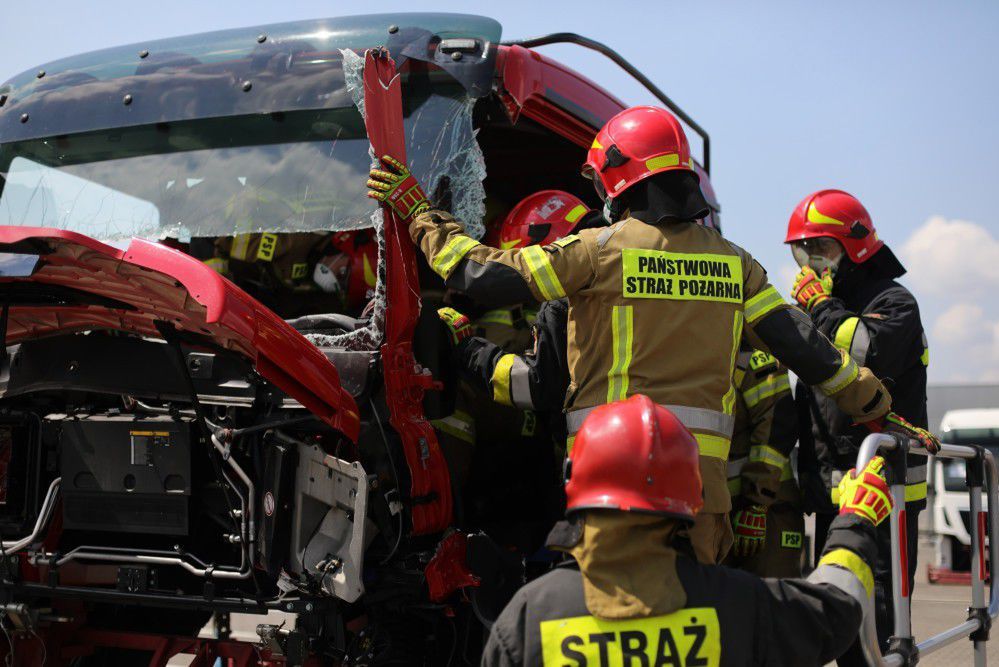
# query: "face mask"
820,254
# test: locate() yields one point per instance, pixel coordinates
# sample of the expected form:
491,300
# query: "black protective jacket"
730,617
877,320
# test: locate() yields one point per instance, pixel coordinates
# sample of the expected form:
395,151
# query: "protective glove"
895,423
398,188
459,325
810,290
866,494
750,527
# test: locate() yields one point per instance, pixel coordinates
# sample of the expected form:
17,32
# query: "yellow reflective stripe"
769,387
499,316
846,374
915,492
844,334
786,473
815,217
848,560
663,161
728,400
568,444
500,379
218,264
459,425
453,252
767,455
925,356
834,495
761,304
541,270
566,240
576,213
622,334
240,246
714,446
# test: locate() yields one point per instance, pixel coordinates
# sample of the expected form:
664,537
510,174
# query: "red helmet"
635,456
838,215
352,266
540,219
633,145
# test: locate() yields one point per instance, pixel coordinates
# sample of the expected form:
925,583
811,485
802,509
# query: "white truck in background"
951,514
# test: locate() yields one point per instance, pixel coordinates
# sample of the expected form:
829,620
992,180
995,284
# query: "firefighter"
631,594
657,302
847,284
767,518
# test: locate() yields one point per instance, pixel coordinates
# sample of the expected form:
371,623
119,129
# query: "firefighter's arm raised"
501,277
814,620
766,392
773,325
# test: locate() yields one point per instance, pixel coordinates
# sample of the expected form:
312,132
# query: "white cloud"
961,324
948,257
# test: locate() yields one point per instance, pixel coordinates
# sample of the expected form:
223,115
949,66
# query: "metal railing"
982,472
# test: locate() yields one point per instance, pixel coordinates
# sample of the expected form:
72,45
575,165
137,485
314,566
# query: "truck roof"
970,418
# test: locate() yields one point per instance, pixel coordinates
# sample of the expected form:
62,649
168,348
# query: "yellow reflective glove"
810,290
898,424
459,325
750,527
866,494
398,188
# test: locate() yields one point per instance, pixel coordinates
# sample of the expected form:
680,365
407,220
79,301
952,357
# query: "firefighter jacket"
759,467
718,616
287,258
658,310
875,320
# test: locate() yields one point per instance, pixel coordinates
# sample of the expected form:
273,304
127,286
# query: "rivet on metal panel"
247,86
40,74
393,29
261,39
456,56
143,53
126,100
24,118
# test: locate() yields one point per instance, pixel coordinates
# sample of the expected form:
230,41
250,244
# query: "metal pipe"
42,522
977,563
248,519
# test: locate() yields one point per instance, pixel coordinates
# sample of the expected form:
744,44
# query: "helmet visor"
818,253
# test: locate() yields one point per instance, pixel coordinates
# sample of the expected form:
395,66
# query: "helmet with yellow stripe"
634,145
542,218
832,214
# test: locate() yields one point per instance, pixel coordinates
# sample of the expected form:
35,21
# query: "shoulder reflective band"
853,337
685,637
846,374
851,562
240,246
680,276
500,316
267,247
712,446
540,266
458,425
576,213
566,240
511,382
768,455
622,334
763,303
770,387
453,252
699,419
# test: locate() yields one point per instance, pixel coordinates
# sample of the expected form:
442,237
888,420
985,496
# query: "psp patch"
761,360
790,539
658,274
688,638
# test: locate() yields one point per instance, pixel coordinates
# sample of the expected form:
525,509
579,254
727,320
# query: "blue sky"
893,101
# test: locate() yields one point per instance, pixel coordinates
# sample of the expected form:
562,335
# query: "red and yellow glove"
459,325
866,494
750,527
896,423
398,188
810,290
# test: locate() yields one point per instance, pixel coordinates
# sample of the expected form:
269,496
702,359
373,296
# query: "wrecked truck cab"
169,440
